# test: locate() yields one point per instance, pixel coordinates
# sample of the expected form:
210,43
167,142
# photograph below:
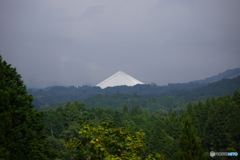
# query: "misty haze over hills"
224,83
228,74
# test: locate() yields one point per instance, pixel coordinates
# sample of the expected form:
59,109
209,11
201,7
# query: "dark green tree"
125,109
21,133
236,97
173,125
233,123
105,117
117,118
136,111
50,121
153,137
189,144
202,116
222,128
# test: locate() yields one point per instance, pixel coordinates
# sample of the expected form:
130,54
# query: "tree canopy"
21,133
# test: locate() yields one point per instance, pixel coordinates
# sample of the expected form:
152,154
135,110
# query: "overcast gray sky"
79,42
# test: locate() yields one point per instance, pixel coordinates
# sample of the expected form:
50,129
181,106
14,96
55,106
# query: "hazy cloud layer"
80,42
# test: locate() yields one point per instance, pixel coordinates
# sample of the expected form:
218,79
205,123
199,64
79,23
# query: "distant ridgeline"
228,74
191,91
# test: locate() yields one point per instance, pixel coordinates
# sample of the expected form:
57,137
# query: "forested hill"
62,94
155,128
215,89
167,134
228,74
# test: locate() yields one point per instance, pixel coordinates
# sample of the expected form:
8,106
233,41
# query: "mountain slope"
95,98
228,74
215,89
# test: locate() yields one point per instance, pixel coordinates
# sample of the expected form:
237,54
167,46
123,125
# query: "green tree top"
108,142
189,144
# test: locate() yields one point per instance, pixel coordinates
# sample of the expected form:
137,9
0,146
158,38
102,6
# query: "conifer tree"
154,137
192,112
202,116
117,118
21,130
189,144
236,97
222,128
233,122
173,125
125,109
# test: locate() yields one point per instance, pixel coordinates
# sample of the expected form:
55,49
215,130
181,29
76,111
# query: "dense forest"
214,125
141,122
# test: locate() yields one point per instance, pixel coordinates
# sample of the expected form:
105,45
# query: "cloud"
83,42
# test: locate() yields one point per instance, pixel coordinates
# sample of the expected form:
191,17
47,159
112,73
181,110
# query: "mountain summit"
119,79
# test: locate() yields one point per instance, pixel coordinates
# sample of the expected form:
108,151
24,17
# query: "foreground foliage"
21,127
108,142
